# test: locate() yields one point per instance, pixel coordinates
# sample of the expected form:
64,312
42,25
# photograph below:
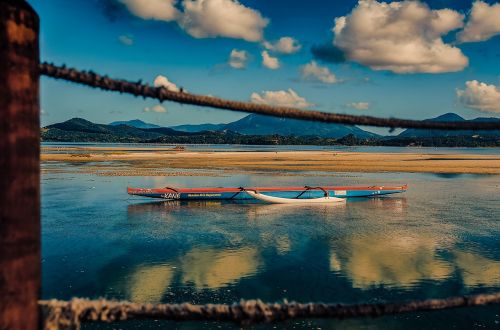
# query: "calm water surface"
235,147
441,238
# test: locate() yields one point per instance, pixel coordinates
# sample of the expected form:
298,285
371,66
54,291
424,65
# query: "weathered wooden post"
19,166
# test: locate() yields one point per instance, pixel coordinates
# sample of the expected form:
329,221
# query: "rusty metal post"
19,166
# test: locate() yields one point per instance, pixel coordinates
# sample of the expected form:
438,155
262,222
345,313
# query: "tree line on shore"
57,135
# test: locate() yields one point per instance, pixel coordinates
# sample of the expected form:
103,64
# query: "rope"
94,80
310,188
70,314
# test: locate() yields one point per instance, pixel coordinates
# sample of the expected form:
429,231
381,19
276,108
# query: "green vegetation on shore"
80,130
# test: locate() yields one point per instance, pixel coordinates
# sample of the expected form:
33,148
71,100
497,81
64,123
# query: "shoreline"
121,160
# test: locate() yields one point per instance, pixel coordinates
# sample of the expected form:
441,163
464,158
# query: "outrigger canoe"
305,192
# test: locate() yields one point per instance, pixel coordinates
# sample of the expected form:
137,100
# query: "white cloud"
358,105
162,81
280,98
204,18
285,45
162,10
270,62
312,71
238,59
403,37
224,18
480,96
156,108
126,39
484,23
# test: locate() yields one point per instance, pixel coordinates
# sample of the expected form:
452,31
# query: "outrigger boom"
304,192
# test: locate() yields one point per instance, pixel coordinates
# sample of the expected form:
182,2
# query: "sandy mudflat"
122,161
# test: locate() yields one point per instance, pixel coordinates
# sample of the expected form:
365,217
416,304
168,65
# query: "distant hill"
264,125
255,124
137,123
453,117
81,130
199,127
78,129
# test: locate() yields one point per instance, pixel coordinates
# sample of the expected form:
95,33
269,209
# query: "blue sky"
417,61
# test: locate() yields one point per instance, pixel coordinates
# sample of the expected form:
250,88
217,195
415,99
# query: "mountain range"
264,125
81,130
255,124
134,123
259,129
450,117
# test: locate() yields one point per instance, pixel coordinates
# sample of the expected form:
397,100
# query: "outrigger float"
279,200
276,194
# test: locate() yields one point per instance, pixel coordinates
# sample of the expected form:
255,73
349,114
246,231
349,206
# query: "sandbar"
123,161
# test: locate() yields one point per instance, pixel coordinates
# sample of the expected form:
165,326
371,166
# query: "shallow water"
132,147
441,238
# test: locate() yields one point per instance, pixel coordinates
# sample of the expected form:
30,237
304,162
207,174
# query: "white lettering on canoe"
171,196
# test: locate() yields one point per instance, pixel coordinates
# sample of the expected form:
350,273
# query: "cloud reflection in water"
393,260
213,268
371,243
148,283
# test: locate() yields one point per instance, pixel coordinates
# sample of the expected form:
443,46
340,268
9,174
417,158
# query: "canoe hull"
282,192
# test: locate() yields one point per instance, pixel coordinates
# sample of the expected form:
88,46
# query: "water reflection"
148,283
403,260
211,268
199,268
165,207
156,206
272,212
397,204
394,205
396,260
448,175
477,270
438,239
282,243
378,248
